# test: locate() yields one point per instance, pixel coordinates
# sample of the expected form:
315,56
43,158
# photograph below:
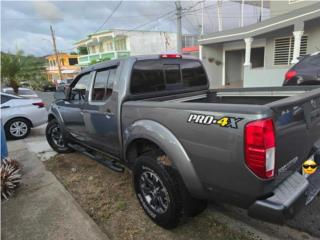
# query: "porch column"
296,47
247,61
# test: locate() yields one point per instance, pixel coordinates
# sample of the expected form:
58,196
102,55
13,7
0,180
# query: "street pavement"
42,208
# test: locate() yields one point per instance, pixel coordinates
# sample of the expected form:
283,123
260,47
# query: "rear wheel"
56,139
162,194
17,128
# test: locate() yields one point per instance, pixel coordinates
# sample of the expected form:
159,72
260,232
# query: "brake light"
170,56
39,104
290,74
260,145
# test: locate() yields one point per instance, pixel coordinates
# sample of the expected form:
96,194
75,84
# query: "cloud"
26,23
48,11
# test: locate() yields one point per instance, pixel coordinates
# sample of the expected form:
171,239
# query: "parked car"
305,72
25,84
19,115
49,86
22,92
187,144
63,84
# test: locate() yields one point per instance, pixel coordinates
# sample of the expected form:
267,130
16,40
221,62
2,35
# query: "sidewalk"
42,208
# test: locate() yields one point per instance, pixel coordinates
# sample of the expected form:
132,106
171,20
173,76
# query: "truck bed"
217,152
252,96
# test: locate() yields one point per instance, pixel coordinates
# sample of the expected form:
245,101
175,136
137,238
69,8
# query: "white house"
260,54
112,44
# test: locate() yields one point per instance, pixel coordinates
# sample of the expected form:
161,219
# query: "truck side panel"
215,148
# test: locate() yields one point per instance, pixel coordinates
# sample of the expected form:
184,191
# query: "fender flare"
165,139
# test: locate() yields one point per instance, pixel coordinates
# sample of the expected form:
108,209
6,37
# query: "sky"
25,25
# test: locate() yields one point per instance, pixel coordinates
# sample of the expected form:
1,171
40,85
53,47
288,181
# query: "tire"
17,128
152,181
56,139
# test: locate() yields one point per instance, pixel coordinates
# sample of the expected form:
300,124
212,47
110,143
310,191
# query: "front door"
234,68
100,113
71,109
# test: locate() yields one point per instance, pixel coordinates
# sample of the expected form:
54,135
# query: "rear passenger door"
99,113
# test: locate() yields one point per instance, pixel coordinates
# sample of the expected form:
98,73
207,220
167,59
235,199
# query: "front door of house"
234,68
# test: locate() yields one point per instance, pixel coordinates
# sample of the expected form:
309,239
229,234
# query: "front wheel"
56,139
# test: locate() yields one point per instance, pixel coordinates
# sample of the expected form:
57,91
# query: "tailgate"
297,122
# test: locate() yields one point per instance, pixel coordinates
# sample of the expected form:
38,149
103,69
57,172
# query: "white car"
22,92
19,115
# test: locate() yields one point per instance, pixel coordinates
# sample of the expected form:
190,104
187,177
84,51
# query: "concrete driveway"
42,208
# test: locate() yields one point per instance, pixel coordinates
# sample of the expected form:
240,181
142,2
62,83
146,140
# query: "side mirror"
59,95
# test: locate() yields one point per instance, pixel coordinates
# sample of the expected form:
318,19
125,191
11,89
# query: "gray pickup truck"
187,144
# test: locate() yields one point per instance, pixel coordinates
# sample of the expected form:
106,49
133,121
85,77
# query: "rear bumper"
39,117
287,200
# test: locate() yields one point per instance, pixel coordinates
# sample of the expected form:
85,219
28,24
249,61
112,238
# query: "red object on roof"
190,49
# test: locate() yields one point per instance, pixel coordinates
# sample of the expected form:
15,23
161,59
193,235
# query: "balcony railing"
87,59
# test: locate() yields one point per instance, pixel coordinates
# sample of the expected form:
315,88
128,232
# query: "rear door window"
100,85
111,79
103,84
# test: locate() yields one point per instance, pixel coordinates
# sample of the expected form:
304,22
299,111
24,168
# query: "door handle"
3,107
109,114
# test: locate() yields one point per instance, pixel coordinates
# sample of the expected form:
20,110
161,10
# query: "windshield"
312,59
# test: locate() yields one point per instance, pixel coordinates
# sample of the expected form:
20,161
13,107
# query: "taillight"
290,74
39,104
260,145
170,56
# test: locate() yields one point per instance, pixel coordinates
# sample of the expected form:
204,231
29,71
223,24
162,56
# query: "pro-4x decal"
228,122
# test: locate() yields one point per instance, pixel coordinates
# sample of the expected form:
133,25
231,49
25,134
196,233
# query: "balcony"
103,56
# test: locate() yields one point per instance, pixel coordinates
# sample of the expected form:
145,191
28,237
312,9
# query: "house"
113,44
68,66
190,45
258,55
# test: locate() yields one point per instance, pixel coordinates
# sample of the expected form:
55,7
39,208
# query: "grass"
108,197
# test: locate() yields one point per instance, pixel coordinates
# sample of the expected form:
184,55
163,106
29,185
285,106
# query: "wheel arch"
51,116
148,132
23,117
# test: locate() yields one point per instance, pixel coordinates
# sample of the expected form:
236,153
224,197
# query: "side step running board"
112,164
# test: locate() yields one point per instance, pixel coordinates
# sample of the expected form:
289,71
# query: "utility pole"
202,18
261,10
219,15
56,52
179,27
242,9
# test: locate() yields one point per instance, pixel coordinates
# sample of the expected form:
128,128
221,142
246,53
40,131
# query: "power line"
110,15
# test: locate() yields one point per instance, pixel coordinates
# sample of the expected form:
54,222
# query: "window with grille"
283,50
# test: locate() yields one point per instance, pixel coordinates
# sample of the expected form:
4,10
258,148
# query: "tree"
83,51
10,67
17,67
